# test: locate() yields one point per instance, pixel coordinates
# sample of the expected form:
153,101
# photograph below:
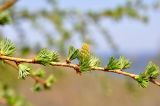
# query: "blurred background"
111,27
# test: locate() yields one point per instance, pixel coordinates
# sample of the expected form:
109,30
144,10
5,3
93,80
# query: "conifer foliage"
86,62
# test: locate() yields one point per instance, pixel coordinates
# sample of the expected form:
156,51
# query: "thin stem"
36,78
7,5
155,82
74,66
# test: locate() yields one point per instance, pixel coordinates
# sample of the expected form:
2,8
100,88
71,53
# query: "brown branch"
155,82
74,66
7,5
36,78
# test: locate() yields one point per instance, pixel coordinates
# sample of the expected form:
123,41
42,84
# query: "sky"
131,35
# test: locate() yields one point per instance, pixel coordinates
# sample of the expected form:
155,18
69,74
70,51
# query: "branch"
74,66
87,62
7,5
155,82
36,78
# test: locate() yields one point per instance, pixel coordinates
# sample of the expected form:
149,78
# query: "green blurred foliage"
78,22
10,97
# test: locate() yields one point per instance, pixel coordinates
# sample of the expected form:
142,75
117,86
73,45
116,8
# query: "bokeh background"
111,27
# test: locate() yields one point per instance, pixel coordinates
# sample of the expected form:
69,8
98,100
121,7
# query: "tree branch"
74,66
36,78
7,5
155,82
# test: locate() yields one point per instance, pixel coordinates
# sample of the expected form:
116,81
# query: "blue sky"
132,36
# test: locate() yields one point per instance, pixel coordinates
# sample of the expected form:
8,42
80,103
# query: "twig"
36,78
7,5
155,82
74,66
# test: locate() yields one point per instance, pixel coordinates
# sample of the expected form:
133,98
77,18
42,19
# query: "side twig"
36,78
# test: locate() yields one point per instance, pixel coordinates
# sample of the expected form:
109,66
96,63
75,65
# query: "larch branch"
74,66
